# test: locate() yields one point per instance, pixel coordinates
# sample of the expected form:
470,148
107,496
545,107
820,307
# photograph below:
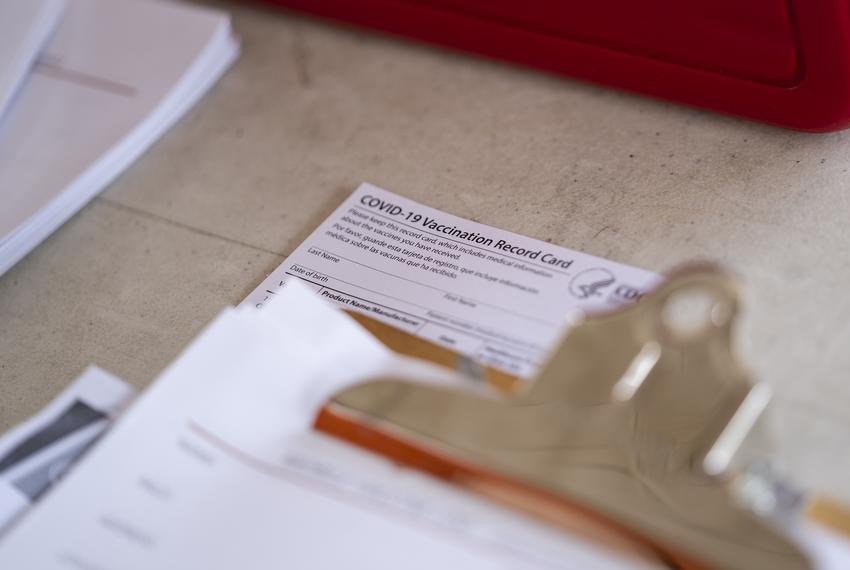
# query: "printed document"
36,454
215,467
498,297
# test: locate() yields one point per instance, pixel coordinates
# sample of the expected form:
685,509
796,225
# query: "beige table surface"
311,109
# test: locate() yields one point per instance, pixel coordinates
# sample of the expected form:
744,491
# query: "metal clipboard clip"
642,428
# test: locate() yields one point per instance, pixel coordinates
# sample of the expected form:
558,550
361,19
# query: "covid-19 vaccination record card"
495,296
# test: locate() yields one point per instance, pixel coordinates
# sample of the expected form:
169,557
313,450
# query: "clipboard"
642,431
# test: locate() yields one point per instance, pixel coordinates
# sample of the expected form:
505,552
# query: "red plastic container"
785,62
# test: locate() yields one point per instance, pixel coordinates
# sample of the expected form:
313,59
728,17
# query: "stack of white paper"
114,76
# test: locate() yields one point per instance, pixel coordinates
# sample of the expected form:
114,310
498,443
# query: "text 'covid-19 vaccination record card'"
495,296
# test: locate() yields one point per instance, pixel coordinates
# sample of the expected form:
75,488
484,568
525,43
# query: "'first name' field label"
496,296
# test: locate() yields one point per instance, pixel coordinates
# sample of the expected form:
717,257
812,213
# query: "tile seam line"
181,225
